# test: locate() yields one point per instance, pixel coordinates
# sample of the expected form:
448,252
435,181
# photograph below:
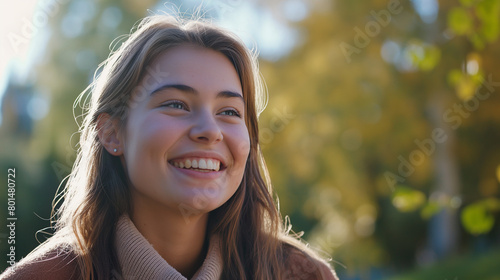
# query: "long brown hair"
97,194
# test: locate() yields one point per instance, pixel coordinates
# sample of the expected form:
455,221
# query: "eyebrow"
190,90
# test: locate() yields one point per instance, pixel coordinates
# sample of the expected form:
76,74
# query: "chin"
201,203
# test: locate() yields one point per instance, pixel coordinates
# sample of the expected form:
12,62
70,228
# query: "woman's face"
185,143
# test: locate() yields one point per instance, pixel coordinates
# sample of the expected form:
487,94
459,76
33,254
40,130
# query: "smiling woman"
170,182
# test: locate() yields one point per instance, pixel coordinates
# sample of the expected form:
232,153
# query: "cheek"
239,146
149,138
239,142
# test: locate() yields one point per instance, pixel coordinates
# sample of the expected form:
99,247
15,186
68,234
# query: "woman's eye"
230,112
176,105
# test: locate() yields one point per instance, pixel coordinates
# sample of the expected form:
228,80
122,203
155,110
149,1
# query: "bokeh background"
382,130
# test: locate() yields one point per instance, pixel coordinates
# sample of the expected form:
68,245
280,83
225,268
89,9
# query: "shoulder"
305,266
46,262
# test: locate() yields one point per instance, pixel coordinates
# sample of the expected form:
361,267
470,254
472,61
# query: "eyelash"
175,102
185,107
235,112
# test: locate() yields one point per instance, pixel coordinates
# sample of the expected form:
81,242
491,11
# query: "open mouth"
199,164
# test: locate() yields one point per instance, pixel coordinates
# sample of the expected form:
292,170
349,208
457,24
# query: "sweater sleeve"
56,264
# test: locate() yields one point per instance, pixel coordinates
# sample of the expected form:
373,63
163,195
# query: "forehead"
201,68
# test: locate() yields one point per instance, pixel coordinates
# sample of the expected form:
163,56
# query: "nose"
205,129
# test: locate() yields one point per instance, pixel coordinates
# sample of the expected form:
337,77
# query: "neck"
182,243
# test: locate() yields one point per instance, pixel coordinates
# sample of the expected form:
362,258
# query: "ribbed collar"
139,260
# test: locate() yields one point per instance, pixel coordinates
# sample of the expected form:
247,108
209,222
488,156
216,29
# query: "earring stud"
114,150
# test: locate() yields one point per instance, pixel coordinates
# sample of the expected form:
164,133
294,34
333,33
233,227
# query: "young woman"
169,182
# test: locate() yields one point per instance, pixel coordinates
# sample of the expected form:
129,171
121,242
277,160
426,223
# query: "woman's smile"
202,165
198,164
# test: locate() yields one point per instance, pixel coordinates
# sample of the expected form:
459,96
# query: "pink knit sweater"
139,260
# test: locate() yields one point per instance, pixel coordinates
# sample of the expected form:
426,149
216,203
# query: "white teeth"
207,164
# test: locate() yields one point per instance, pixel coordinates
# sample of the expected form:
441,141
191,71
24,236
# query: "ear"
108,133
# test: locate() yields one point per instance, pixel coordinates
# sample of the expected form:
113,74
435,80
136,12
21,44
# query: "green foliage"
488,13
464,83
424,56
460,21
479,21
406,199
477,218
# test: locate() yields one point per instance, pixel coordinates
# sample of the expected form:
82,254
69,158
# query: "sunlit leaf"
424,56
490,30
460,21
488,12
476,219
406,199
431,58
